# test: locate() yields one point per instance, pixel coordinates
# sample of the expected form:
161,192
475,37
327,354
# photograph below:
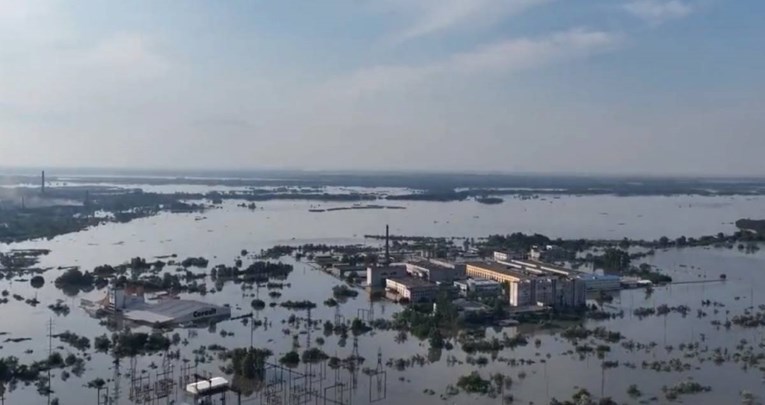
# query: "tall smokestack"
42,183
387,245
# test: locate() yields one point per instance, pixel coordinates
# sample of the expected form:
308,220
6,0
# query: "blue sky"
572,86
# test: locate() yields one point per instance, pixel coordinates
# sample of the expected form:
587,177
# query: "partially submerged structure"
412,288
435,271
529,286
165,311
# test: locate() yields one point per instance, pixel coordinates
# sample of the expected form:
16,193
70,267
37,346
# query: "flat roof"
412,282
482,281
503,269
168,310
146,316
536,264
206,386
470,306
395,266
430,266
589,276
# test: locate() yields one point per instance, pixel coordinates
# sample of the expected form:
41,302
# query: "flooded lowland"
696,340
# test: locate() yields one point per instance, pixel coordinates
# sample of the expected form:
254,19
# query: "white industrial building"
163,312
376,275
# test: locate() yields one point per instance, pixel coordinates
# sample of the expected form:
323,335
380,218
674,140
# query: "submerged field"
673,334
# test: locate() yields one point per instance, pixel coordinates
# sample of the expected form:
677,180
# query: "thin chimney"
42,183
387,245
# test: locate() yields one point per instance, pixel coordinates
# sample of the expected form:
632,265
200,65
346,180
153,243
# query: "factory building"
507,255
412,288
376,275
532,286
479,286
601,282
549,253
434,271
592,282
495,271
168,311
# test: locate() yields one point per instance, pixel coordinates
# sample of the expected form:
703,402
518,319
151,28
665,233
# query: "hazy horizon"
249,173
546,87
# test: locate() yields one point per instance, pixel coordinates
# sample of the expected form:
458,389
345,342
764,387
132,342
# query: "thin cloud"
439,16
658,11
508,56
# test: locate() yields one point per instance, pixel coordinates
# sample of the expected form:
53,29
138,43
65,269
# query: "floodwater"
220,234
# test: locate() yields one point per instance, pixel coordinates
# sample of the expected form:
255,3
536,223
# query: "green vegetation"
472,345
330,302
489,200
358,327
633,391
474,384
580,332
73,281
258,272
613,261
290,359
341,292
195,262
583,397
102,343
78,342
684,388
59,308
37,281
514,242
128,344
297,305
314,355
247,362
752,225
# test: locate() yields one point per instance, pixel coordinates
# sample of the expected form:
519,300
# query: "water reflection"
664,349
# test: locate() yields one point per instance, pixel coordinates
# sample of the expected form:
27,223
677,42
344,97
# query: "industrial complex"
523,279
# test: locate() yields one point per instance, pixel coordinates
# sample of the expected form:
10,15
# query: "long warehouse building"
528,287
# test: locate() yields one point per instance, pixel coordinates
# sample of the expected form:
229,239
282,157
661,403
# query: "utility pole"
50,352
252,331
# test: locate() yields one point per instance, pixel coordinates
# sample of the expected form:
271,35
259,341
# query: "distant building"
324,260
532,286
507,255
570,292
549,253
634,282
434,271
601,282
473,309
495,271
458,264
346,270
376,275
478,286
165,312
412,288
540,267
